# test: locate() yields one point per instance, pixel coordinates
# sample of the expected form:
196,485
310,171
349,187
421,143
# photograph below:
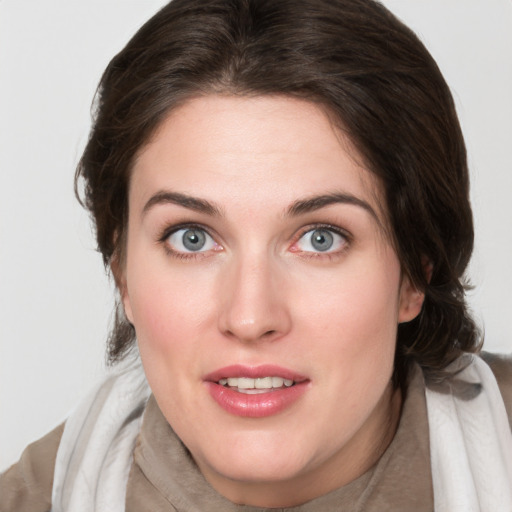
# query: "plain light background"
55,297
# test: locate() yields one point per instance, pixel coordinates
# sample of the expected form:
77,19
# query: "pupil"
194,240
322,240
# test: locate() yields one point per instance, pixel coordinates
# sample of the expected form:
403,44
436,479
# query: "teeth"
246,383
265,383
277,382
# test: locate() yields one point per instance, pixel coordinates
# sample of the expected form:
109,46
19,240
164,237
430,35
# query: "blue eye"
190,240
321,240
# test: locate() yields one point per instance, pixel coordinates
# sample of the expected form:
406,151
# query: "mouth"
256,386
256,392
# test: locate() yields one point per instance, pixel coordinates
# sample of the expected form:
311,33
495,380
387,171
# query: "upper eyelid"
328,227
169,230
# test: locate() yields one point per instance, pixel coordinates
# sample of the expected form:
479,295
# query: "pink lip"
259,405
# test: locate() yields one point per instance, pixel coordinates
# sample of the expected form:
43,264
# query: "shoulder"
501,366
27,485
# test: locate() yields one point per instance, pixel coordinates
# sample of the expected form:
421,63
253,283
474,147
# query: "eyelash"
169,231
323,255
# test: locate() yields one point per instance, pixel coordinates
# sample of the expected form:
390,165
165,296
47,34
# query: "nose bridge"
254,307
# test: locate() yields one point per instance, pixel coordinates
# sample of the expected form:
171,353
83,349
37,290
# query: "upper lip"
254,372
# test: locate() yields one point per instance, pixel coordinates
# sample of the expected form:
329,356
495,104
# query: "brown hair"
371,73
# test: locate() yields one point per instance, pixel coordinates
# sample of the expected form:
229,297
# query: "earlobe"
411,301
120,279
125,299
126,304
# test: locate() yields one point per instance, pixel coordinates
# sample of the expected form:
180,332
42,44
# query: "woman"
281,192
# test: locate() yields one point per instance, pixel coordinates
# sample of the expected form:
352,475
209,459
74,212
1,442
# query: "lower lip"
258,405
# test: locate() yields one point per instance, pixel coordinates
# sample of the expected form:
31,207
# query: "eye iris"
322,240
193,239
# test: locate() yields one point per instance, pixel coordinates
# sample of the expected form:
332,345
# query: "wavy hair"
355,59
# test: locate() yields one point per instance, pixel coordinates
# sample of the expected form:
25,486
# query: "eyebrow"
299,207
190,202
314,203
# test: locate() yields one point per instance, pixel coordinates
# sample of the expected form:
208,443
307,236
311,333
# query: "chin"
258,461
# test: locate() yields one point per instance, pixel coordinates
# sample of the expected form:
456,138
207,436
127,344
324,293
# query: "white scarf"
95,452
470,440
470,445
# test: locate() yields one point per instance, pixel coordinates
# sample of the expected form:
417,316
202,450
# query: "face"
265,295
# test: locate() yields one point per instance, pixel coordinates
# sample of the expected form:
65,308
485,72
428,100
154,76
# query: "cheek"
168,306
354,316
170,320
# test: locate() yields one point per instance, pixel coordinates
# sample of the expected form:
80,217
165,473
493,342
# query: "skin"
261,293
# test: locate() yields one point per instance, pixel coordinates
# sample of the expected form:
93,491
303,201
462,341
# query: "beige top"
164,477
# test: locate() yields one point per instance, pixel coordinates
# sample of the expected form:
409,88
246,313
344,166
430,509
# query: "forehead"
251,149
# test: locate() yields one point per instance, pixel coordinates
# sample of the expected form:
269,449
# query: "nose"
253,300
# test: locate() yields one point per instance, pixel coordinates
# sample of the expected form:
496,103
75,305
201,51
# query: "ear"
411,301
118,272
125,299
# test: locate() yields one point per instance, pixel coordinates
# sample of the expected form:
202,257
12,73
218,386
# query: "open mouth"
256,386
256,391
